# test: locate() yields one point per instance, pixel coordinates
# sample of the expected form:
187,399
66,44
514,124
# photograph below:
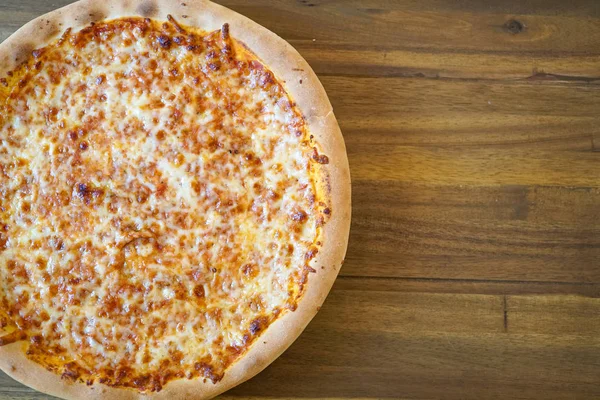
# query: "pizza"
175,199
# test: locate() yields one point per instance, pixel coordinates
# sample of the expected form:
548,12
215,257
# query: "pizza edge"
303,87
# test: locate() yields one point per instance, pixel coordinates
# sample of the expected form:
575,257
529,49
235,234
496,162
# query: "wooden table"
473,132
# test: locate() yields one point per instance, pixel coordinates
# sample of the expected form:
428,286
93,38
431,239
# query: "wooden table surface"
473,133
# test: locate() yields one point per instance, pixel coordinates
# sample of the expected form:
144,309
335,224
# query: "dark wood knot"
513,26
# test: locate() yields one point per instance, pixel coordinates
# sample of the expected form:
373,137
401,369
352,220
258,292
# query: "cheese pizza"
175,199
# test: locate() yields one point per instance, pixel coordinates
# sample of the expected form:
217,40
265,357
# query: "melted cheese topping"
158,203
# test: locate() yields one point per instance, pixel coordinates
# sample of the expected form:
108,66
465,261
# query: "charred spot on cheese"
206,370
298,215
258,325
320,158
164,41
13,337
153,173
311,253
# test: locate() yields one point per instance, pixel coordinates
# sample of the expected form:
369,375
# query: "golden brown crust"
303,87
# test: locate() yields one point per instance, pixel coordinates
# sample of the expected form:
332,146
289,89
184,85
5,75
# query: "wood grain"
473,133
516,233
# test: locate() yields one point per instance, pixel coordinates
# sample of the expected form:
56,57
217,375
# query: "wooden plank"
476,166
354,47
355,60
348,44
409,25
21,393
419,112
516,233
553,315
25,395
467,286
583,8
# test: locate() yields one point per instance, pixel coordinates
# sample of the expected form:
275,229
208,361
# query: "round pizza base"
303,87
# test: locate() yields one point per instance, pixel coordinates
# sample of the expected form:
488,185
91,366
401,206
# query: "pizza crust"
303,86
